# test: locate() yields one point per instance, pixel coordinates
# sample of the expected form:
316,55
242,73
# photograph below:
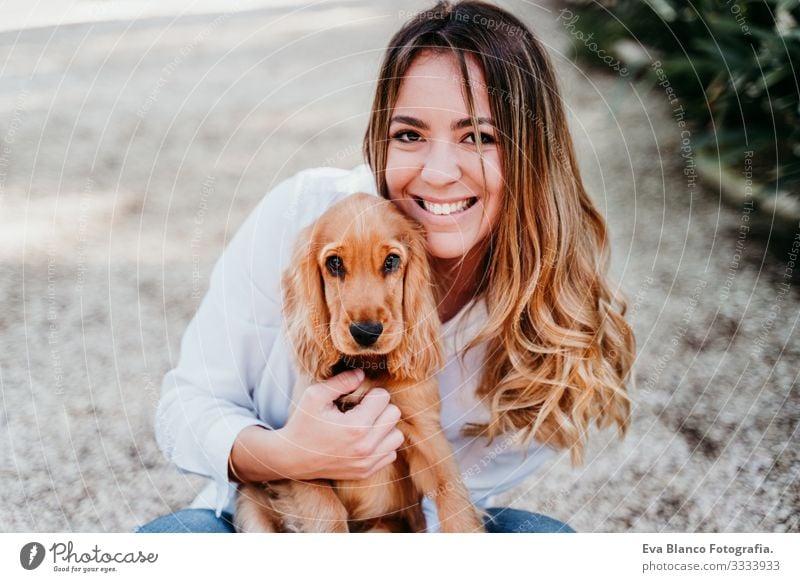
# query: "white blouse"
236,368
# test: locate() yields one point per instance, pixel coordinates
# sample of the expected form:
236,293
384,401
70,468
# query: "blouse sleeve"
207,399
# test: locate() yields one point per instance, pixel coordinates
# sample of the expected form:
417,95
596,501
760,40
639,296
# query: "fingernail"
359,374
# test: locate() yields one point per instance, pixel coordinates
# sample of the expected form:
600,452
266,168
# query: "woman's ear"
305,311
419,355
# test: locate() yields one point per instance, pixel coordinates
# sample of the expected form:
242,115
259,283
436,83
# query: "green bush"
733,65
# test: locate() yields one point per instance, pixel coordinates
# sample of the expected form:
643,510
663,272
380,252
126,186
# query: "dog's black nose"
366,333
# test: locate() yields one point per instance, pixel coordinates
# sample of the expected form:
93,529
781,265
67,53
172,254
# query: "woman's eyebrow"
456,125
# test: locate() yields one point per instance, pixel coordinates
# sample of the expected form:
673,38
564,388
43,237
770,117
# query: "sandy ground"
130,152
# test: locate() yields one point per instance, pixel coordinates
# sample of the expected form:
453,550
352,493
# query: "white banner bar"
400,557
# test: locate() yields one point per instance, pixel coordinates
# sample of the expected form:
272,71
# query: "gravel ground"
129,154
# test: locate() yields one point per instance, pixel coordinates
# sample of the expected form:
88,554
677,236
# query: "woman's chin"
450,247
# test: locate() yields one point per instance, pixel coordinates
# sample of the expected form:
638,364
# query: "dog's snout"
366,333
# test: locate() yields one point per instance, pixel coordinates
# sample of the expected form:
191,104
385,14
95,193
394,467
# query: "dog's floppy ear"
419,355
305,311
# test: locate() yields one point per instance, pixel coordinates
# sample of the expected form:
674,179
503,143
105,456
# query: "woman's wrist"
260,454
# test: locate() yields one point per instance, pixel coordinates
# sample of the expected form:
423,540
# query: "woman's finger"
336,386
383,462
393,441
370,408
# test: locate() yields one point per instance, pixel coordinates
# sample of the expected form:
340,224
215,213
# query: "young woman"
468,137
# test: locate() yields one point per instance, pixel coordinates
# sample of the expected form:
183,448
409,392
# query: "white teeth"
444,209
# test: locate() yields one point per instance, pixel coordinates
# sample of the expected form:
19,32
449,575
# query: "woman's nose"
441,164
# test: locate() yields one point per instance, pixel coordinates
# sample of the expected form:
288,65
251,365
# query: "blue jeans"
500,520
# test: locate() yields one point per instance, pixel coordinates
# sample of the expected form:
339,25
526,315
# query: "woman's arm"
210,395
208,401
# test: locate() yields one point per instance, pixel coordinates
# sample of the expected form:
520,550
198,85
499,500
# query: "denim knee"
509,520
190,521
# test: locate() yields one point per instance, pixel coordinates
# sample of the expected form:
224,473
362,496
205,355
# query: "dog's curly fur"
320,305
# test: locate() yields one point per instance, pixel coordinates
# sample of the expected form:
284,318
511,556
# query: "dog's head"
359,286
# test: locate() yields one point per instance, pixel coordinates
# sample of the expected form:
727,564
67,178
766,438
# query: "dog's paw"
346,402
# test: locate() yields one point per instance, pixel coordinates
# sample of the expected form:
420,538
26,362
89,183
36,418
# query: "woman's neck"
456,285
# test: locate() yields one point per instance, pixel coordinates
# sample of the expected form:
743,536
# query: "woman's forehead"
434,83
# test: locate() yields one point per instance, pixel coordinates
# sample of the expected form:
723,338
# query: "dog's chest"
389,492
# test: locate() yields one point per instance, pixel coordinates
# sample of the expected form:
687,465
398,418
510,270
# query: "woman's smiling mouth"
445,209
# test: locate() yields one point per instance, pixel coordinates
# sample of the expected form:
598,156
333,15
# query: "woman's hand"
319,441
324,443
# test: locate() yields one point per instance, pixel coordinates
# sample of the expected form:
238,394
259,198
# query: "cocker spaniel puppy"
358,294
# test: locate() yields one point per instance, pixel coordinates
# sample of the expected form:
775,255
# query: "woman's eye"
391,264
485,138
335,266
412,136
408,136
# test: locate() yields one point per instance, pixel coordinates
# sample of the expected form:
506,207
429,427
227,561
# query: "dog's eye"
391,264
335,266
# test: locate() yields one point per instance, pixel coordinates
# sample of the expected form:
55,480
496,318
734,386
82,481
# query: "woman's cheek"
391,167
399,170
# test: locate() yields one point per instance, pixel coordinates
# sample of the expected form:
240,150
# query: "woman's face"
433,170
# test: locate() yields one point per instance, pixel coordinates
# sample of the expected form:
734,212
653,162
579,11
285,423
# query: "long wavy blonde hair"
558,350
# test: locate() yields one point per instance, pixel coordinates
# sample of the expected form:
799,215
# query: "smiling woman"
466,137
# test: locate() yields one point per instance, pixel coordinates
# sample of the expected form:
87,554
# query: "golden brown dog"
358,294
